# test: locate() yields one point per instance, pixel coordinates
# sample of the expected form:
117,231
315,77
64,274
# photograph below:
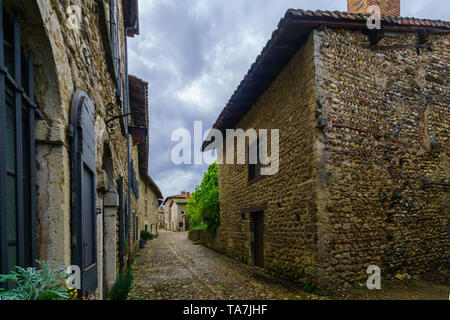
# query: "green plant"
145,235
126,245
310,287
122,287
203,206
200,227
41,283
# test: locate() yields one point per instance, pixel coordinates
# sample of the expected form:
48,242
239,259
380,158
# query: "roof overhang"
292,32
139,106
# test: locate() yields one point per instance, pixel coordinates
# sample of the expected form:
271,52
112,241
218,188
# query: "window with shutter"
17,150
120,187
116,47
254,170
134,226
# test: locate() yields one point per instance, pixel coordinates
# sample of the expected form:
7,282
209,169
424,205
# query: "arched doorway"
83,187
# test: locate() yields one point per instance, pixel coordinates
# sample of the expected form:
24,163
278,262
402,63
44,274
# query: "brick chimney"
388,7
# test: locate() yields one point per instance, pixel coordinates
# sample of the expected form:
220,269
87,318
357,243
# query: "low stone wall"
206,238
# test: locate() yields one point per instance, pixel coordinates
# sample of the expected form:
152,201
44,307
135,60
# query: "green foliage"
122,287
310,287
200,227
203,206
36,284
145,235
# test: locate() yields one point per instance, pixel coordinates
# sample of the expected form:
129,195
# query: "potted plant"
145,235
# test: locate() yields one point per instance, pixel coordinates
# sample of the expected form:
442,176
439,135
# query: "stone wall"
148,209
383,156
290,215
364,166
205,238
66,60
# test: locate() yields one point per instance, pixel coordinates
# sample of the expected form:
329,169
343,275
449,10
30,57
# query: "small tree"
203,206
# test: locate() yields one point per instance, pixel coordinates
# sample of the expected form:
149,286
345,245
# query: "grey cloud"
195,53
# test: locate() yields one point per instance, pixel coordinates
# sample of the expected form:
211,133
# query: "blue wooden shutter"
84,219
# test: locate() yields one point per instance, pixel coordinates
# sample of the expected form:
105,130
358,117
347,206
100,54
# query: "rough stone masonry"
364,162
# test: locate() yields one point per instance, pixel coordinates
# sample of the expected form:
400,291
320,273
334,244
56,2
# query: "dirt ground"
433,287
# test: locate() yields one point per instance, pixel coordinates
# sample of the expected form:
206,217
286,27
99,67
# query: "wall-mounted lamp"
138,133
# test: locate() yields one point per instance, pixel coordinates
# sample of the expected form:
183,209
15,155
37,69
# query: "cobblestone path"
174,268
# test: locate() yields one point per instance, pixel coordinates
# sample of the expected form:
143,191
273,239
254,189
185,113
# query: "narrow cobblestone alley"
174,268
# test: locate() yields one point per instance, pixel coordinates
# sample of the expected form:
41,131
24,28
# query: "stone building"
161,218
364,150
64,128
149,217
175,215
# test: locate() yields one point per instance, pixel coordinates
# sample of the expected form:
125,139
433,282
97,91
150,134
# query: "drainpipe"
128,135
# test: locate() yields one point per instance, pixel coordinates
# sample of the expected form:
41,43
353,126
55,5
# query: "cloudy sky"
194,53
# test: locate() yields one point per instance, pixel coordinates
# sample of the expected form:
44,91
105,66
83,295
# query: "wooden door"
84,219
258,238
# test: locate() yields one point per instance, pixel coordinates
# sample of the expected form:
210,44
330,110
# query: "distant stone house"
161,218
175,215
364,149
66,193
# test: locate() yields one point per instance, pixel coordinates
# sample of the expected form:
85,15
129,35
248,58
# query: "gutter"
128,133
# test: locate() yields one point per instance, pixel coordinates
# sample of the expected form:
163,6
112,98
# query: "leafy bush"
122,287
145,235
203,206
36,284
200,227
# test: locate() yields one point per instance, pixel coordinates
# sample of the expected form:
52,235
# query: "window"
134,183
17,150
116,47
134,226
136,230
254,170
